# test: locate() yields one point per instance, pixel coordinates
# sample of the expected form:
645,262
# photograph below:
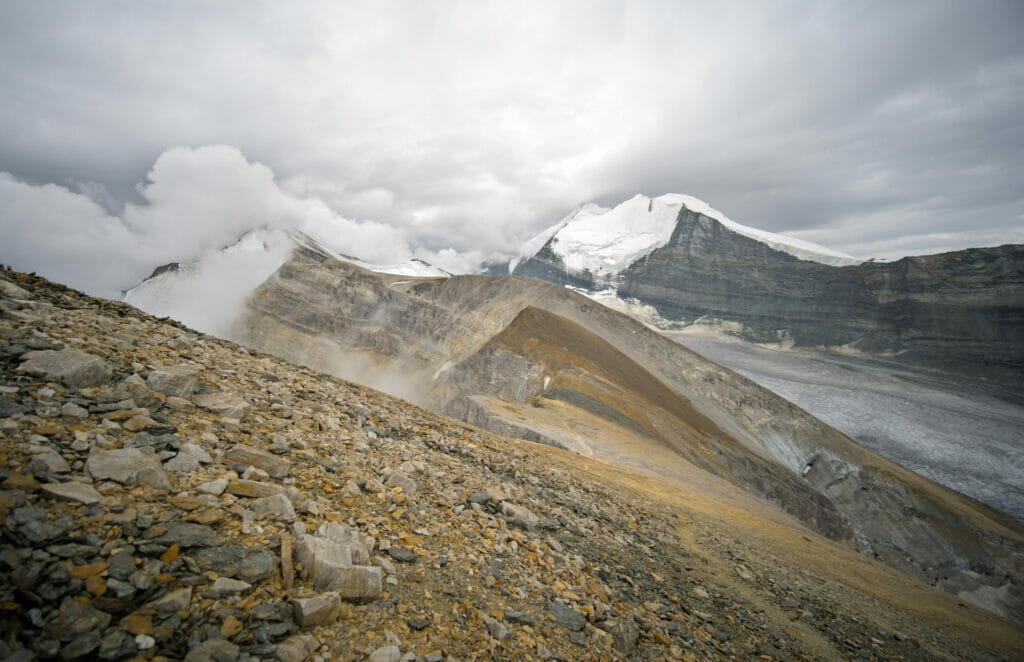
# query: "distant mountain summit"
961,311
601,243
209,293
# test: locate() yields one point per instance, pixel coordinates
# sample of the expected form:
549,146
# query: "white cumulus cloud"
194,202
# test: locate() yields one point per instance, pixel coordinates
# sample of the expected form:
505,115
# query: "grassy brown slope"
580,360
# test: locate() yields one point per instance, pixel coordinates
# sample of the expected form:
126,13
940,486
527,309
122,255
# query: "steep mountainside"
540,362
962,311
166,495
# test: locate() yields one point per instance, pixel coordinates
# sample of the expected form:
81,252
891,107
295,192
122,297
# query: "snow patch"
414,268
533,246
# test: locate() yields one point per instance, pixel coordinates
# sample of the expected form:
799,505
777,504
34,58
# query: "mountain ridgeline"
961,312
533,360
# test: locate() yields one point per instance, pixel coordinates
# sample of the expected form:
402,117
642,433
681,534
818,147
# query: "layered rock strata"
962,311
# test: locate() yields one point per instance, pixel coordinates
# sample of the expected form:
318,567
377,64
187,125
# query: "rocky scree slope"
529,359
961,311
168,495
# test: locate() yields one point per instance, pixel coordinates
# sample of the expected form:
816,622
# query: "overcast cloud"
462,129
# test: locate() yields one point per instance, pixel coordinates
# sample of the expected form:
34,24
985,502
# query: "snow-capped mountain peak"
604,242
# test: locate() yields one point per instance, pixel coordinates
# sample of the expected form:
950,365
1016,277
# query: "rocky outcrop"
960,311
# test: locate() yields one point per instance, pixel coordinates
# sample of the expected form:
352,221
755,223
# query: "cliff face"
960,311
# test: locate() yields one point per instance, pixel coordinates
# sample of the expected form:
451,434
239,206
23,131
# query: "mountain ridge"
434,337
961,311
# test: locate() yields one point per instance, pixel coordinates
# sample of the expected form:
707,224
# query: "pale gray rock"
183,462
277,506
227,405
329,564
71,367
495,629
198,451
11,291
252,473
177,404
386,654
178,380
259,458
129,466
72,491
214,487
141,394
296,648
226,586
71,410
399,479
144,642
49,462
519,513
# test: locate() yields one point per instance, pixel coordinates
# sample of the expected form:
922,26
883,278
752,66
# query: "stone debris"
166,495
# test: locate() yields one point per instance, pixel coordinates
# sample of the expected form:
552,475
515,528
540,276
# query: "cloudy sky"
138,133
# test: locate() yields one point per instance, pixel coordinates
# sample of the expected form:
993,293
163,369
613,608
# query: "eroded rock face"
961,311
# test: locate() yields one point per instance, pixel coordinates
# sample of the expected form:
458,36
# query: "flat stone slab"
71,367
72,491
227,405
176,380
259,458
129,466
